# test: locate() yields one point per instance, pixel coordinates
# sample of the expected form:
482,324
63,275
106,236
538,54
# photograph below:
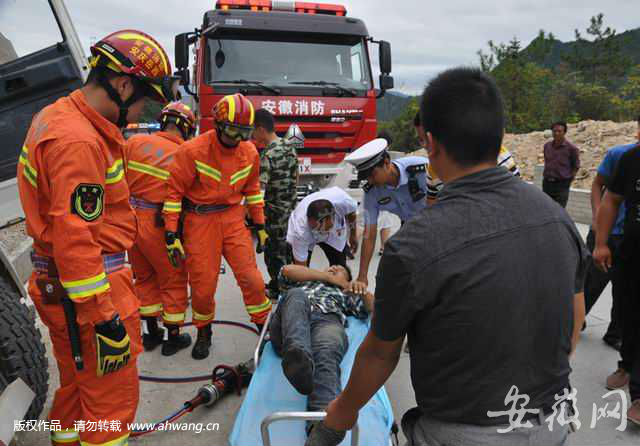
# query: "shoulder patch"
417,168
384,200
87,201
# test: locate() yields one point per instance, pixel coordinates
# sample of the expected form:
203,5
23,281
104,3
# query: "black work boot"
175,342
298,367
203,343
155,334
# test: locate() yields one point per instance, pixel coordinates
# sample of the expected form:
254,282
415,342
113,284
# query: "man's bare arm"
604,222
606,217
596,196
367,299
368,245
300,273
578,319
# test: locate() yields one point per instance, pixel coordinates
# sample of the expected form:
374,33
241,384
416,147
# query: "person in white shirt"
326,218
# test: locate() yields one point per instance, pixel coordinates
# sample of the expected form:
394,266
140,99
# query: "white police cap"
367,156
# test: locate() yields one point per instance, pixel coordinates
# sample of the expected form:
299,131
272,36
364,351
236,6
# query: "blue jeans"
320,335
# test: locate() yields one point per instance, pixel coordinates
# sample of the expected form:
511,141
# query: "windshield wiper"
251,83
327,84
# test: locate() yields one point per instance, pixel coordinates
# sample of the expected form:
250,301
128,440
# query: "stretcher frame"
290,415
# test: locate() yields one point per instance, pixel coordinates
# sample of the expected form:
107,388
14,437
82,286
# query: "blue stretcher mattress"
269,391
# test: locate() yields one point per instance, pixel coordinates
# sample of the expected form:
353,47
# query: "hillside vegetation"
596,77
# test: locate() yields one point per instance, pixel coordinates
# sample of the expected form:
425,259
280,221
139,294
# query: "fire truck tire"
22,354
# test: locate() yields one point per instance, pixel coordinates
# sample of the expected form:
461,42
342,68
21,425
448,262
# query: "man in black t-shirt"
625,186
483,320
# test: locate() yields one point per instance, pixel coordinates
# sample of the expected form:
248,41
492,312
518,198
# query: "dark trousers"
630,309
277,253
334,256
321,335
558,190
596,280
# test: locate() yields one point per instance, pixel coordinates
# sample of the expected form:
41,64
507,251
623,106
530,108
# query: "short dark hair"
416,120
318,207
561,124
263,118
384,134
349,274
462,108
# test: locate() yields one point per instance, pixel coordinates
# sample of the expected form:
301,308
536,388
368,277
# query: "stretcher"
274,414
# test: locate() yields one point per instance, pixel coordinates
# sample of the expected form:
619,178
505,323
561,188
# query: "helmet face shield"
162,90
236,132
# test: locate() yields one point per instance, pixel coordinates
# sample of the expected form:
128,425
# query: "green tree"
541,47
593,101
628,101
402,130
601,59
524,84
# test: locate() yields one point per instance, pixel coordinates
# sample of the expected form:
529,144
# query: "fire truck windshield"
343,63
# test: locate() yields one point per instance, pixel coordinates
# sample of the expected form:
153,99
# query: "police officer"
397,186
278,180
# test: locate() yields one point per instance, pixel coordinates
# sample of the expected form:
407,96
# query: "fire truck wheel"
22,354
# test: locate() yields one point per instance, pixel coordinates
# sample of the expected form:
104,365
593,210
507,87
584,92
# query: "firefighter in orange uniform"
210,177
76,202
162,290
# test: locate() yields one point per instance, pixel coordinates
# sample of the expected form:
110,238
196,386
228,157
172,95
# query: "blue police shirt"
396,200
606,169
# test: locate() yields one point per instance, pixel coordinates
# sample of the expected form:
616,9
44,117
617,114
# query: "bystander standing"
501,305
561,164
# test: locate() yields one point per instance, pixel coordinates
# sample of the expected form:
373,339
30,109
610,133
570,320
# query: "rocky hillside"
593,138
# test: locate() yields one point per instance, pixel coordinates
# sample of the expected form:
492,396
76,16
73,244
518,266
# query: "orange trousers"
206,239
84,398
161,288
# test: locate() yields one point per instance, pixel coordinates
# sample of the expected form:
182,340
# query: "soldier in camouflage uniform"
278,179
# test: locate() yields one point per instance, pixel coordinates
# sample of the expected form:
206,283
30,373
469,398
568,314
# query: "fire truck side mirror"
386,82
384,53
182,51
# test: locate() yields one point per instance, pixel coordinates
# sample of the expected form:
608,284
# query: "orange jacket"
206,172
76,202
148,158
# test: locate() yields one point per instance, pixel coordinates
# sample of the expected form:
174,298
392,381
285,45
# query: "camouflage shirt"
279,172
327,298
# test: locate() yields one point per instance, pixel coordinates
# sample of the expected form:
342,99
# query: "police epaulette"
417,168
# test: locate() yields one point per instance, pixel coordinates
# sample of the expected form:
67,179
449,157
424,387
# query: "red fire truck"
307,63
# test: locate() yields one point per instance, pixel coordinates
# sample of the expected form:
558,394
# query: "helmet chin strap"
115,97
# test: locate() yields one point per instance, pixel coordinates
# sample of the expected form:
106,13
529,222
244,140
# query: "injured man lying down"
308,328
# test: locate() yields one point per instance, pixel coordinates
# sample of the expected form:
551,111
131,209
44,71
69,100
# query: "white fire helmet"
294,137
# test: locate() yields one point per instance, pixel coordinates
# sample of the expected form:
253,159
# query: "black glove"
262,237
113,348
175,251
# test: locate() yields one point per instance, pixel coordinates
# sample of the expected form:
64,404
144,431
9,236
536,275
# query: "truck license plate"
304,165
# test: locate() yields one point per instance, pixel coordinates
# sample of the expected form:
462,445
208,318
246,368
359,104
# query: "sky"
426,36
